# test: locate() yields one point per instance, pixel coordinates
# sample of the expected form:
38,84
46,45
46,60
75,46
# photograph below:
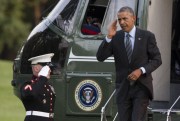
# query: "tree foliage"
37,6
17,18
13,29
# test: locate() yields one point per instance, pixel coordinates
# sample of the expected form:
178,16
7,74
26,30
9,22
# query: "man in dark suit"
136,57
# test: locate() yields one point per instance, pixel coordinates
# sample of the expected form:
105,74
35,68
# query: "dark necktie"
128,47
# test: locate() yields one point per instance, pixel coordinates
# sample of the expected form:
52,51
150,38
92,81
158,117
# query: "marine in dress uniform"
37,95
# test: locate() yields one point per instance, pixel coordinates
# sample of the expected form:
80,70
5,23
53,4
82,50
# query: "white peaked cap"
41,59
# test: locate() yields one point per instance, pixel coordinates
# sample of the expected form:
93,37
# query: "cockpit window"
94,16
43,43
100,13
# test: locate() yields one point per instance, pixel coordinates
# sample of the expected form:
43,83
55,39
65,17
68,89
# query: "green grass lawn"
11,108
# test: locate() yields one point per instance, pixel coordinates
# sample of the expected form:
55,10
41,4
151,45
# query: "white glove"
44,71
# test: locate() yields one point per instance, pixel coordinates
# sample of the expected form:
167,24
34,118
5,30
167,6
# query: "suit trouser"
134,108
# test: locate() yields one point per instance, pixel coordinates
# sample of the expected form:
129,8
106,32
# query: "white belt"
39,113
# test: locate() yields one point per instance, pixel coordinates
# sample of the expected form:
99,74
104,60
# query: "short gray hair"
127,9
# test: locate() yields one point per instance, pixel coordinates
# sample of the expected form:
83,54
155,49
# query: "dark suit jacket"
145,54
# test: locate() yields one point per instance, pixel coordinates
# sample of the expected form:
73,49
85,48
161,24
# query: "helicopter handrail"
170,110
167,111
103,108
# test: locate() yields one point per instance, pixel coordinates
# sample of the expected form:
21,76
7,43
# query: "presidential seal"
88,95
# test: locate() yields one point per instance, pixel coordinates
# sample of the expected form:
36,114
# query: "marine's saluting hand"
45,71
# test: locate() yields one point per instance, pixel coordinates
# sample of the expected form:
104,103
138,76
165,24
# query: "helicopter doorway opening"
175,47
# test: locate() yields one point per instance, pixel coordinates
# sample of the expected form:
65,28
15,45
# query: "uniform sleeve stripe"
28,87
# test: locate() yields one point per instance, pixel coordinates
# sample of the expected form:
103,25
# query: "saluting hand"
45,71
112,29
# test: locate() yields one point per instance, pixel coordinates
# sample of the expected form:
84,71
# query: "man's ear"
134,17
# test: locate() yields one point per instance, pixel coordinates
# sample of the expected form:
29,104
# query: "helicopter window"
66,18
42,43
93,18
